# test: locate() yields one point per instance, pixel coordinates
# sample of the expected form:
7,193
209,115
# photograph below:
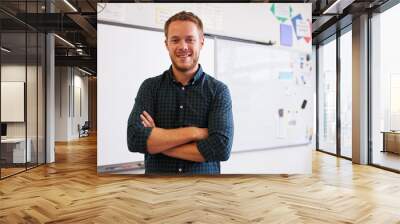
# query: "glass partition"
327,97
31,100
41,91
385,89
346,94
22,77
13,94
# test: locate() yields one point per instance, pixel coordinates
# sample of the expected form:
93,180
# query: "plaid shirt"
205,102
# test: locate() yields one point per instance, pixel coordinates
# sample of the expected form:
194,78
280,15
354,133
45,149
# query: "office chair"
84,130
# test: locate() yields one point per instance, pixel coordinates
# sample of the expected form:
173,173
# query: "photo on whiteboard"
191,89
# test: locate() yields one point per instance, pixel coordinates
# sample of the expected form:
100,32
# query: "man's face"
184,43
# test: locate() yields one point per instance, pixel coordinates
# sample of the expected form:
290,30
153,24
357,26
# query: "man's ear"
202,40
166,43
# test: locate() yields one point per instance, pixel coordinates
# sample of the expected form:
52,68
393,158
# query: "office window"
385,89
13,87
346,94
327,96
22,92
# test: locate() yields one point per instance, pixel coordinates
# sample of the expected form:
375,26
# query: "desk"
391,141
13,150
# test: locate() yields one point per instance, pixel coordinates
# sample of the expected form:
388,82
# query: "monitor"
3,129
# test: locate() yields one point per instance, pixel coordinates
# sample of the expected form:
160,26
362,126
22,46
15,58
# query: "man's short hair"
183,16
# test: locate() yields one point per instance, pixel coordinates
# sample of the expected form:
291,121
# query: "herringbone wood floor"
70,191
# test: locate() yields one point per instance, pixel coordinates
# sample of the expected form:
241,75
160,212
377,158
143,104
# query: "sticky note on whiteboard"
285,75
286,37
302,28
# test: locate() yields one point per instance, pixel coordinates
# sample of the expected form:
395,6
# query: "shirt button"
180,169
181,106
183,88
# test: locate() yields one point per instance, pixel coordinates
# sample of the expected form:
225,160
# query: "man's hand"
147,120
178,143
188,152
198,133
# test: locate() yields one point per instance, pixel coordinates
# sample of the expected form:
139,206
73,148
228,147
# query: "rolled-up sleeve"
217,147
137,134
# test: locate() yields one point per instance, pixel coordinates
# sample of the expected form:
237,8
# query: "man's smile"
184,55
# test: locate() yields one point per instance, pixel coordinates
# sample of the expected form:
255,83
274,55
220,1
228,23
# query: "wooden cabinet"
391,142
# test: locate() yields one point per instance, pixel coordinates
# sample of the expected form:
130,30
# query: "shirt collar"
197,76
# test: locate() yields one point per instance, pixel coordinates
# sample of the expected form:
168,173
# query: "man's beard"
185,68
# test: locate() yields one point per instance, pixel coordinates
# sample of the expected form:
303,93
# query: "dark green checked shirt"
205,102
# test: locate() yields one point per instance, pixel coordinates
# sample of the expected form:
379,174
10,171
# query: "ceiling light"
70,5
86,72
328,10
338,6
64,40
5,50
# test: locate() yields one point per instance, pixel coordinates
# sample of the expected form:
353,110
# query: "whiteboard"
268,87
127,56
12,101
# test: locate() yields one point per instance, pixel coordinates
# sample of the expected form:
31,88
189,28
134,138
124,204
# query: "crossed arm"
178,143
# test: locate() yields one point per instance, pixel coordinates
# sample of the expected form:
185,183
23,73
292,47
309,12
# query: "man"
182,119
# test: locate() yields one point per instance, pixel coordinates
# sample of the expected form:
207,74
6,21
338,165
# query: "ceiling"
77,22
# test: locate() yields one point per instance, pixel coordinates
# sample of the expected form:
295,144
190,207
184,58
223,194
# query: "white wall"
69,84
61,103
